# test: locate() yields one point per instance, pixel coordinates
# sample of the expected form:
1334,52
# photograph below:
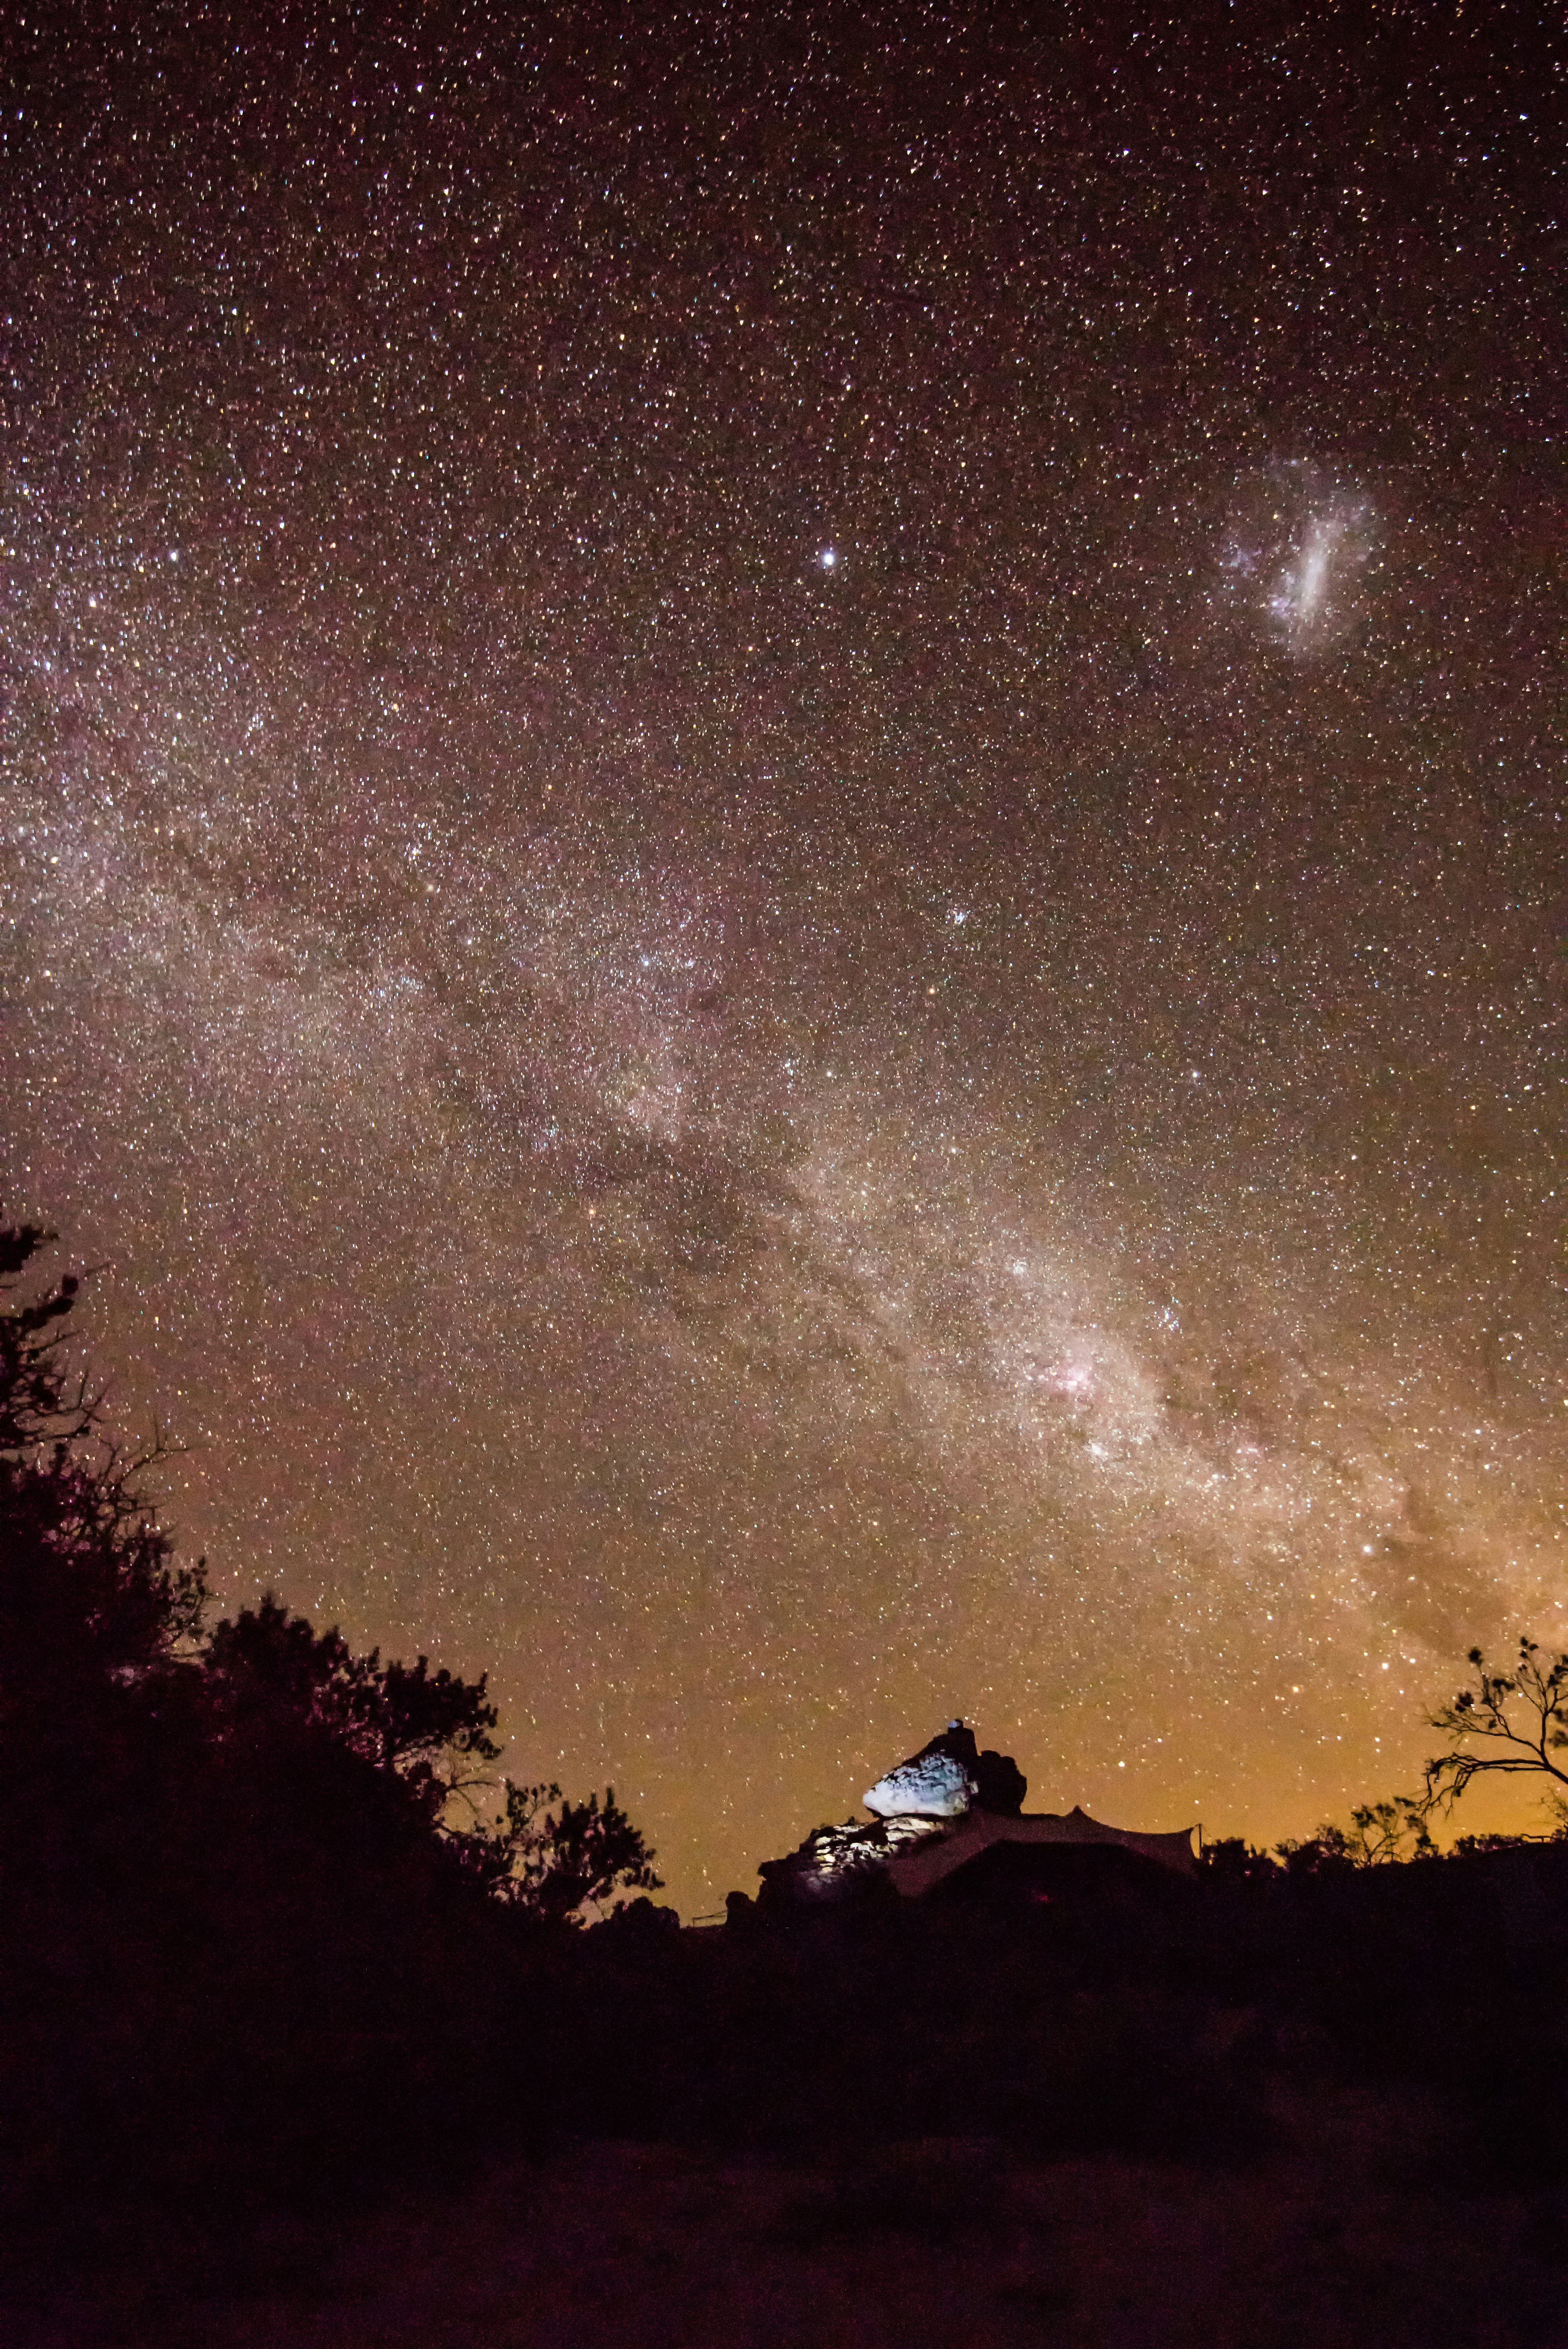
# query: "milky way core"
777,842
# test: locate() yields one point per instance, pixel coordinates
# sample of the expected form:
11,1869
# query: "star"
643,1125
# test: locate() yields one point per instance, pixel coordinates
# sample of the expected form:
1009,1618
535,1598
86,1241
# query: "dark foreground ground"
933,2244
1114,2108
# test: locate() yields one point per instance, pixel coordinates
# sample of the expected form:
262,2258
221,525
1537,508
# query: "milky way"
781,809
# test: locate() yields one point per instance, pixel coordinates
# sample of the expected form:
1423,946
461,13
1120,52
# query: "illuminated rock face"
933,1813
948,1778
931,1787
923,1799
832,1861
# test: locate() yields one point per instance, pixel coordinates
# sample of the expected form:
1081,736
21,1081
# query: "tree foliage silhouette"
558,1866
430,1728
1380,1835
1511,1723
91,1599
90,1591
244,1865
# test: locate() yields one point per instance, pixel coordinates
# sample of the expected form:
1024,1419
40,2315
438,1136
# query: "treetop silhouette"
98,1620
1514,1723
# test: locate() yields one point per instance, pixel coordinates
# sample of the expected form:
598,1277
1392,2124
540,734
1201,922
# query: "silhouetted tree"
431,1728
557,1865
1379,1835
1233,1861
89,1593
33,1405
91,1599
431,1733
240,1876
1394,1831
1515,1723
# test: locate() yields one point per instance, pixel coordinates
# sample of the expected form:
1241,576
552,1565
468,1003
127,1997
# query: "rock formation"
948,1778
933,1813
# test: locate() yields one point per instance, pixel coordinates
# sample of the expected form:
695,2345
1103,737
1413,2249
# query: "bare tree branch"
1509,1722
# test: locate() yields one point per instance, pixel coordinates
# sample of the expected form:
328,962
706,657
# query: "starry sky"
780,863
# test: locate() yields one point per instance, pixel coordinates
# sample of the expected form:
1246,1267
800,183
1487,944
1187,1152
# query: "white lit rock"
931,1787
935,1814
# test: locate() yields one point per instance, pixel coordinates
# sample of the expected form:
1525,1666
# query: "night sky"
780,857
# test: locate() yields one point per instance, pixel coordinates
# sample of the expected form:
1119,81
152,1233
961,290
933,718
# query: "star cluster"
781,794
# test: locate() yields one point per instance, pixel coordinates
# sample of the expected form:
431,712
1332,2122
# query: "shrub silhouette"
556,1866
243,1871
